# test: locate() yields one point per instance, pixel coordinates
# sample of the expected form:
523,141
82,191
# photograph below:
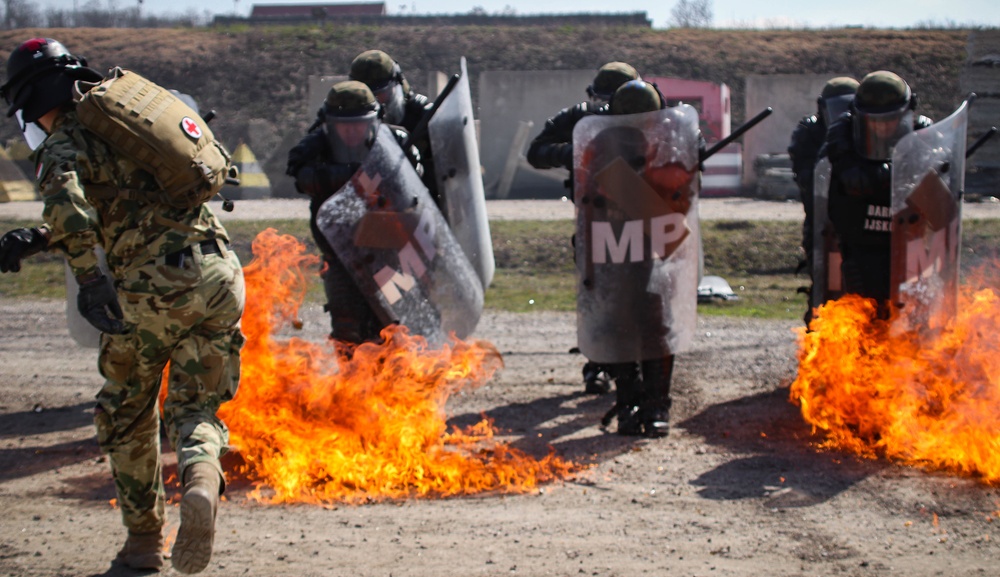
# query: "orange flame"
317,427
929,398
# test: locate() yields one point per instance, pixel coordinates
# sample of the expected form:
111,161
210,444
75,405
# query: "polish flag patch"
191,128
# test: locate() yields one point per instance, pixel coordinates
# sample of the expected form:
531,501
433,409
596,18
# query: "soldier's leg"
655,404
628,392
127,421
204,373
351,317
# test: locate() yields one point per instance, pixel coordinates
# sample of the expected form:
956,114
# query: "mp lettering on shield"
414,256
191,128
649,216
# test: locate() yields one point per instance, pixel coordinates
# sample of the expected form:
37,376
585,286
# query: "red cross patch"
191,128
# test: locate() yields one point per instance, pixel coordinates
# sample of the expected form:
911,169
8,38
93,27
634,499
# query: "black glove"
20,243
98,303
565,156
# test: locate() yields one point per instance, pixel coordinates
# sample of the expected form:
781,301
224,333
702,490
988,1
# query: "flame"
320,427
929,398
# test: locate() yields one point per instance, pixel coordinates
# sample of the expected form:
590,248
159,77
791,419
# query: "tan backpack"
157,130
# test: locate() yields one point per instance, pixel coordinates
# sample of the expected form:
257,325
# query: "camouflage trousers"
189,316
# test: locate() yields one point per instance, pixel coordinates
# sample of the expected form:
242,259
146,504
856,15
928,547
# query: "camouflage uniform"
182,294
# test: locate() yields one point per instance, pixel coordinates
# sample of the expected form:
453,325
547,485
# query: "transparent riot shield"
390,235
826,259
928,176
460,179
637,235
85,334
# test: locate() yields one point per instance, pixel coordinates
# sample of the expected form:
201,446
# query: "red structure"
723,172
295,11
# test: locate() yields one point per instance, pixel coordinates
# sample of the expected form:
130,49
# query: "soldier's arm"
69,218
413,154
807,138
553,147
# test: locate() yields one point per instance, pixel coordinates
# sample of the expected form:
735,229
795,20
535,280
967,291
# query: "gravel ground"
738,488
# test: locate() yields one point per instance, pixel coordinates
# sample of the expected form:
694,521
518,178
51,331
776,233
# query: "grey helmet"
385,79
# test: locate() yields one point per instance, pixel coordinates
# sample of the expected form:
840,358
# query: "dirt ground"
736,489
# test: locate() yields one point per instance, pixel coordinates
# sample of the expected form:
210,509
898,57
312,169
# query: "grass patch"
535,270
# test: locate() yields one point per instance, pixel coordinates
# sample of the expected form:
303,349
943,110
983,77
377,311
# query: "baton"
704,155
422,125
981,141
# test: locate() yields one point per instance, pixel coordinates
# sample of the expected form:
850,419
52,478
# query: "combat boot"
142,551
595,380
654,411
628,389
193,549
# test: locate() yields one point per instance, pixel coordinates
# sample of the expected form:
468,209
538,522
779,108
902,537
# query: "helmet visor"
351,137
33,134
834,106
875,134
390,96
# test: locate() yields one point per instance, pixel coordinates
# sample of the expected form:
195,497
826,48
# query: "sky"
728,13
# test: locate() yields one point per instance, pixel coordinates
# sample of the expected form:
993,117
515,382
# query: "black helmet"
609,78
636,96
882,114
40,77
351,120
383,75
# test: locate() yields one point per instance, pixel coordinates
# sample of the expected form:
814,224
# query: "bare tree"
691,14
21,14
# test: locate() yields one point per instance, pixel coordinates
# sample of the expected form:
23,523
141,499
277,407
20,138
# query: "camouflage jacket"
131,232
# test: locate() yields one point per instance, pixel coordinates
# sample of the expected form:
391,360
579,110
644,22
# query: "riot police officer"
553,148
321,164
859,146
803,150
401,106
642,385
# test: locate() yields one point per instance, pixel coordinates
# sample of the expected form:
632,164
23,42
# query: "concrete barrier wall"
792,96
509,98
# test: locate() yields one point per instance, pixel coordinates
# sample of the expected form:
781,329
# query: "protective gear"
202,487
634,97
18,244
835,98
385,79
351,121
882,114
654,410
98,303
595,379
142,551
609,77
40,77
399,250
34,135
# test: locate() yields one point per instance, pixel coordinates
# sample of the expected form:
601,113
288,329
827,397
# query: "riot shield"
928,176
826,259
637,235
460,179
85,334
390,235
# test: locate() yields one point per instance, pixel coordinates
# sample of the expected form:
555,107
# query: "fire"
929,398
314,426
